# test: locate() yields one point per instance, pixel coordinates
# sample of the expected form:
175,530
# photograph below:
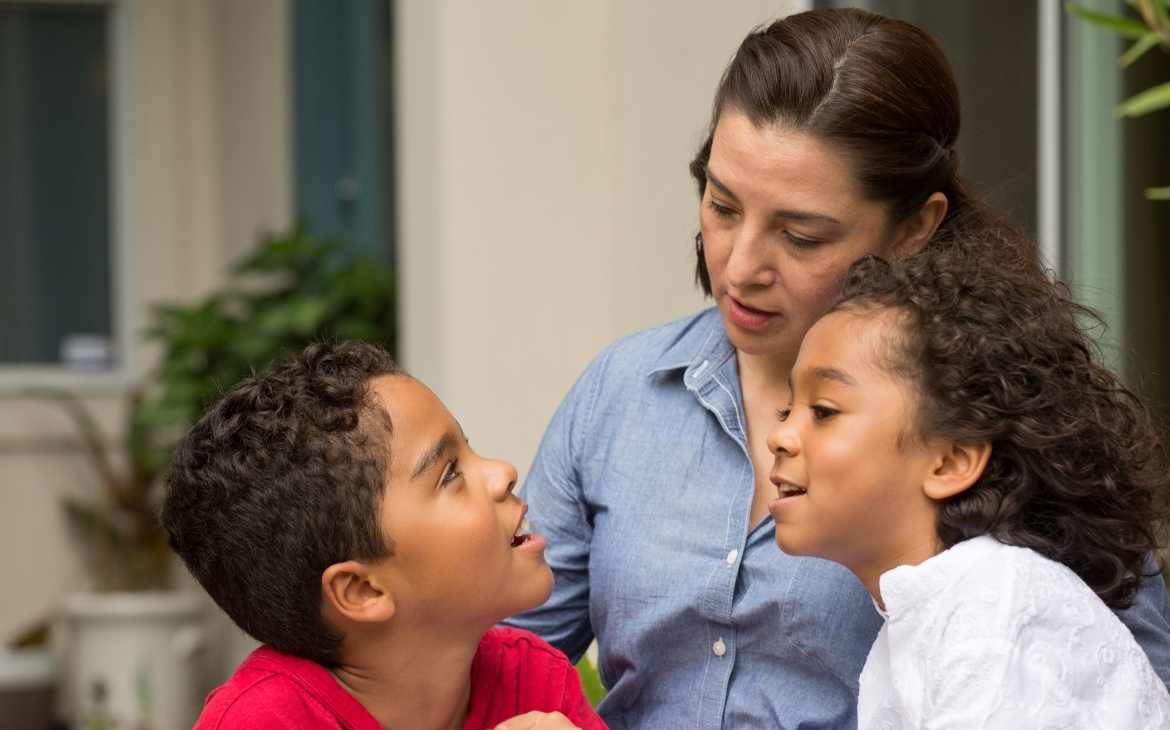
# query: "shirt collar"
699,350
907,586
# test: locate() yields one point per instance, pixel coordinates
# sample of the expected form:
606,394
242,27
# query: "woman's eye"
822,413
782,414
721,210
450,474
800,241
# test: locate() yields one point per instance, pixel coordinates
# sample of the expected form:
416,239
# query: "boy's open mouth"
523,533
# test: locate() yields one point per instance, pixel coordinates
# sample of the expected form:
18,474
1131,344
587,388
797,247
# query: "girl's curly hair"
1077,471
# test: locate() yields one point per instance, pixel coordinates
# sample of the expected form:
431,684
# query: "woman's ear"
356,592
915,232
957,467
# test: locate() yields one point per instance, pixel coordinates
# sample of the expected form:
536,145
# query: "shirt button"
719,647
731,556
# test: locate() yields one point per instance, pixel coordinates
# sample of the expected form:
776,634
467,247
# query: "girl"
953,442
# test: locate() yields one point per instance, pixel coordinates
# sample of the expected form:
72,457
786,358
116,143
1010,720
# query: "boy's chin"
532,592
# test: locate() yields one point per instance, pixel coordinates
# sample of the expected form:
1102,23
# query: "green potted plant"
1152,30
138,666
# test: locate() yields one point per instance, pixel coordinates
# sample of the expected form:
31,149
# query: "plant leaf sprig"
1152,30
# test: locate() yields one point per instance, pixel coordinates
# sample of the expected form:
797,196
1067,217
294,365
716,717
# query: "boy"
335,510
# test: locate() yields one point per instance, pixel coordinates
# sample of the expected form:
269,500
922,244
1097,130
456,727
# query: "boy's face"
848,469
452,519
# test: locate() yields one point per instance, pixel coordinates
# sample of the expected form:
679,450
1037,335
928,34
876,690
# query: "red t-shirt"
513,672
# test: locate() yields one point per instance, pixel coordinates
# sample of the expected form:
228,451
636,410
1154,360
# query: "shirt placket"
716,388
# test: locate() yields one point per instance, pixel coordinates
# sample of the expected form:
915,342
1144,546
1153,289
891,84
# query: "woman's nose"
748,264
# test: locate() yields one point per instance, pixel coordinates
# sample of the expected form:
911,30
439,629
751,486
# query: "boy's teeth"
523,529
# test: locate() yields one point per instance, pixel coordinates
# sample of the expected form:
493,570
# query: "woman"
832,137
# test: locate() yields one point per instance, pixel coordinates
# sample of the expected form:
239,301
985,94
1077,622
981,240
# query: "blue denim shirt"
643,487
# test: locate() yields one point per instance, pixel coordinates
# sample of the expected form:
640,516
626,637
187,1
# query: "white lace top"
986,635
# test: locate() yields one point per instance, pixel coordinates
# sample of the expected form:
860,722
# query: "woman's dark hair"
881,91
1077,470
280,479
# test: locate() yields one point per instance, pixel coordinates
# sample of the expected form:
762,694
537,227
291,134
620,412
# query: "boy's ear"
357,593
957,467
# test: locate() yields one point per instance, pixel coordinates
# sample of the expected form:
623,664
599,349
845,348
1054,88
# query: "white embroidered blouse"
986,635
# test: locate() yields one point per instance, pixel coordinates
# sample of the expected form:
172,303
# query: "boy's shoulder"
515,671
273,690
509,651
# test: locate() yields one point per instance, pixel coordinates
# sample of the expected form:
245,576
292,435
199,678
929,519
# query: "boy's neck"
416,678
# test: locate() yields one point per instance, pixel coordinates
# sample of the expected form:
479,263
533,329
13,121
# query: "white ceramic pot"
27,677
132,660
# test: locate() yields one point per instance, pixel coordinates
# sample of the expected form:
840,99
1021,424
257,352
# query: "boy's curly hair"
1077,471
280,479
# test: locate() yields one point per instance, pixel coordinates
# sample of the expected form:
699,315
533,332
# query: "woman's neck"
415,679
764,373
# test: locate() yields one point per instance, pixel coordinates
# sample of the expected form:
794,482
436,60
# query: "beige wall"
203,143
545,205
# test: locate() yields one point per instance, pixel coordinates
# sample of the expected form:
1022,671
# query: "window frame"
123,286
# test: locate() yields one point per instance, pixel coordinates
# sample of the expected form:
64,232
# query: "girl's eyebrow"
834,374
797,215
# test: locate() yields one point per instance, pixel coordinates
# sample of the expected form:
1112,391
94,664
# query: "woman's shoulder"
669,346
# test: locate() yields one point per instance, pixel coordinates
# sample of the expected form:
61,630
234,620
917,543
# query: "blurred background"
493,190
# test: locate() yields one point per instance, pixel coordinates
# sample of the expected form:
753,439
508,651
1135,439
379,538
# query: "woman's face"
782,219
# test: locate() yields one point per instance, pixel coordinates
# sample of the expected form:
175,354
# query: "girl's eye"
782,414
823,413
721,210
451,473
800,241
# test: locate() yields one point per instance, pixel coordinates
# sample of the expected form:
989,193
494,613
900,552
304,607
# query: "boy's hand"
538,721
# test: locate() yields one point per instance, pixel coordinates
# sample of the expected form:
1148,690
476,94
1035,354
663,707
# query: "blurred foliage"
590,681
291,291
1151,30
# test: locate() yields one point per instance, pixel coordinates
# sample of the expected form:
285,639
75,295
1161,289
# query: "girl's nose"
782,441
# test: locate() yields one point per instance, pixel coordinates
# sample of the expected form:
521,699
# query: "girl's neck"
411,679
870,572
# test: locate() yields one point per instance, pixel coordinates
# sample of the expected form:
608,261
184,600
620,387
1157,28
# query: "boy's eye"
782,414
450,474
821,413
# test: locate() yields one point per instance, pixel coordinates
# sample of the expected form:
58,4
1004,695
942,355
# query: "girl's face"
849,468
782,219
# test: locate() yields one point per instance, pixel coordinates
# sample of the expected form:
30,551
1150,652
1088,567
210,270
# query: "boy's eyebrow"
834,374
431,455
796,215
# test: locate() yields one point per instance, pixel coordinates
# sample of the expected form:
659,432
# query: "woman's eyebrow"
797,215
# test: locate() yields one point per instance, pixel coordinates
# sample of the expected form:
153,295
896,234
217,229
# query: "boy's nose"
503,479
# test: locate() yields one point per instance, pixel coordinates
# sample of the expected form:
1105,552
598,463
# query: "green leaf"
1158,193
1123,26
1139,48
590,681
1147,101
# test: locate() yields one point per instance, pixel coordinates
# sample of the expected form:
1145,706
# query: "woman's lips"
747,317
